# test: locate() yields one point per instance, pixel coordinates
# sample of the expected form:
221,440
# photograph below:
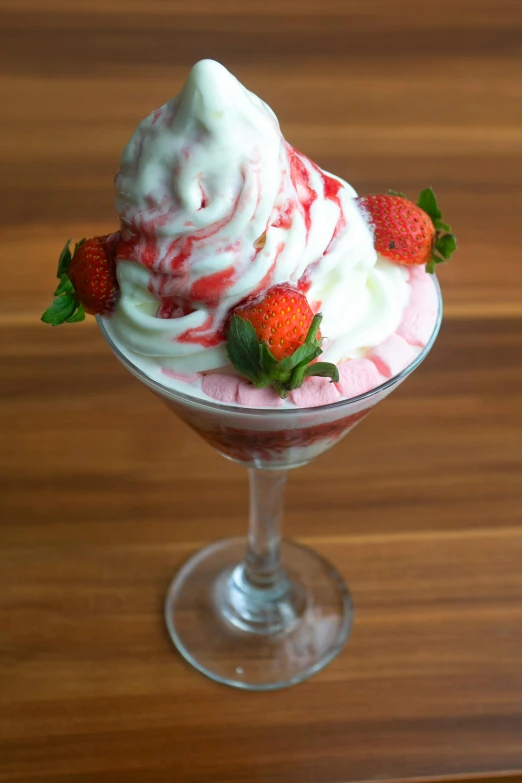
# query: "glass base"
252,637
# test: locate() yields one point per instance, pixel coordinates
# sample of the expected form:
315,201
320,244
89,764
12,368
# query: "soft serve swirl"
215,206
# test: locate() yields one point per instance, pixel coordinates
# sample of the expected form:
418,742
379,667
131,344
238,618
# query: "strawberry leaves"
60,311
254,360
445,242
65,307
322,369
78,315
244,350
446,245
65,259
428,202
64,286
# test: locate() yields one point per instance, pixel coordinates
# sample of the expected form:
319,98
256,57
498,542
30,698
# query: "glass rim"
242,410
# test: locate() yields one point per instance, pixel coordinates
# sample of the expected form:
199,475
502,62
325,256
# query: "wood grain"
104,493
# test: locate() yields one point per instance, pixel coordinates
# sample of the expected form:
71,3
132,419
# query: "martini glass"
260,613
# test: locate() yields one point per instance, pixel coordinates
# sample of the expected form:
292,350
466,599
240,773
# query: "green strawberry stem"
299,371
65,307
445,242
254,360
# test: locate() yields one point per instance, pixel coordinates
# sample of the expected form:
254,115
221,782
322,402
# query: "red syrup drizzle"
300,178
202,335
141,245
173,307
212,287
331,186
331,193
304,283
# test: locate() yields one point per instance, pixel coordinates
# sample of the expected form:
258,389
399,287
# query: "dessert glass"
260,613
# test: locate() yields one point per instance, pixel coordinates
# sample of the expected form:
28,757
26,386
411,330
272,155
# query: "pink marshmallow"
180,376
220,387
315,391
417,272
392,356
420,315
254,398
357,376
424,292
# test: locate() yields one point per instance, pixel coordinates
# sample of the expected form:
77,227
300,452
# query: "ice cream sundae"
244,274
271,308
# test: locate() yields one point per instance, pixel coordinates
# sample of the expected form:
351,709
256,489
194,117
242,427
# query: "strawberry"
88,282
275,340
408,233
281,319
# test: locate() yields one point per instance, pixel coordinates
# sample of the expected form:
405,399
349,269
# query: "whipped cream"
215,206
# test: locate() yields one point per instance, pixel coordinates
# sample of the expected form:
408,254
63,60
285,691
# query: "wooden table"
105,494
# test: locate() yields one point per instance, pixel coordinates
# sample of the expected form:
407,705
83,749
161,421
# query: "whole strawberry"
408,233
88,282
281,319
275,340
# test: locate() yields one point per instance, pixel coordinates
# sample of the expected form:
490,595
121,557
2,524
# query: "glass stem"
262,568
258,596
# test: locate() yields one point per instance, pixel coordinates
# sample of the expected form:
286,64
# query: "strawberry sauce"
300,178
204,335
248,445
213,286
